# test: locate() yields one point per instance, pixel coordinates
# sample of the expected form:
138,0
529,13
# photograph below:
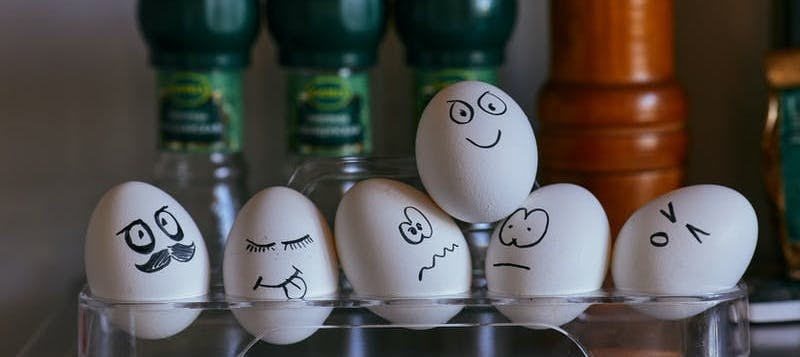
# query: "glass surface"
608,323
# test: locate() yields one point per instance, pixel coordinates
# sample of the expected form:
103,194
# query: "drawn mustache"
160,259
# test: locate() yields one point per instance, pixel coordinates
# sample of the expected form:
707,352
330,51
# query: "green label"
428,82
329,114
200,111
790,159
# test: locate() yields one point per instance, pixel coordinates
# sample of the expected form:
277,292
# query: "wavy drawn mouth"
496,140
294,287
159,260
433,259
512,265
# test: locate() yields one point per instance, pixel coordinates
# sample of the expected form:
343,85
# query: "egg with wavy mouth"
476,153
556,243
142,246
280,249
395,243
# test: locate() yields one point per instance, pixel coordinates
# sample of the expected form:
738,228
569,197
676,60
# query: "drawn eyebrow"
298,243
254,247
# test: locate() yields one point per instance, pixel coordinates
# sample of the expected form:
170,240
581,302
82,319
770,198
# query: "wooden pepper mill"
612,114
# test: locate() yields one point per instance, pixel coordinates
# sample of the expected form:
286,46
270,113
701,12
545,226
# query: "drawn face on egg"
414,229
168,235
523,229
489,107
294,286
661,239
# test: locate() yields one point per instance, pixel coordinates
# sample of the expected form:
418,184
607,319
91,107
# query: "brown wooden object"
612,114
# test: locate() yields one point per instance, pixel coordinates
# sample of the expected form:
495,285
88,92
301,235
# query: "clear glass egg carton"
614,324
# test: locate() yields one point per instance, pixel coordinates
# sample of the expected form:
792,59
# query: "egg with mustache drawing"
280,249
476,153
142,246
556,243
394,242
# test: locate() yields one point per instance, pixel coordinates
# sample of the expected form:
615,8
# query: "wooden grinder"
612,114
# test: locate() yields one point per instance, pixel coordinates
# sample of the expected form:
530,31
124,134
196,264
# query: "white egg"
556,243
694,240
394,242
476,153
142,246
280,248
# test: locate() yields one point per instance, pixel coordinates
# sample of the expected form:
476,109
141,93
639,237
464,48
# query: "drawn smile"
433,259
512,265
496,140
294,287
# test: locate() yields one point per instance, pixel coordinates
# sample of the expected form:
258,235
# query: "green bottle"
328,47
448,41
199,48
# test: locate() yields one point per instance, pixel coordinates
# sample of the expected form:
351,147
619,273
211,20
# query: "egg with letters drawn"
556,243
694,240
394,242
142,246
280,248
475,151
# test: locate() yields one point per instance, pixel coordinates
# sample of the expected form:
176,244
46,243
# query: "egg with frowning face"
142,246
394,242
280,248
556,243
476,153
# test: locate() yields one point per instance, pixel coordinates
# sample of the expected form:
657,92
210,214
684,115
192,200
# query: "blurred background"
78,115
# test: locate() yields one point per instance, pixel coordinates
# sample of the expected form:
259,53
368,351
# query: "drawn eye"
460,111
298,243
167,223
491,104
139,237
254,247
659,239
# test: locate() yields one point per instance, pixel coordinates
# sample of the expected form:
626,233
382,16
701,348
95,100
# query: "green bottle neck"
200,111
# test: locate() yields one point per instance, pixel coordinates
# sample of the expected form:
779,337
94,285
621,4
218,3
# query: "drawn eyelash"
254,247
298,243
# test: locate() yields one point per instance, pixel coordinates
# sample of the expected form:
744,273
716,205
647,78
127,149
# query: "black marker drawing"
694,230
139,238
254,247
518,229
489,146
416,227
661,239
460,111
512,265
298,243
491,104
433,259
294,287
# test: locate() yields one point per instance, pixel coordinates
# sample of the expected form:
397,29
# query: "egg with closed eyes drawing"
142,246
280,249
556,243
475,151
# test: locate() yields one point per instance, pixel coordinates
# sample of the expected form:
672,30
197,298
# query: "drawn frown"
462,113
417,227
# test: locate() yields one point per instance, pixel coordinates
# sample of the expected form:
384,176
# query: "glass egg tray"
613,323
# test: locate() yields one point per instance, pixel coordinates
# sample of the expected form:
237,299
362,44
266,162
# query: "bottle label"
329,114
428,82
200,112
790,160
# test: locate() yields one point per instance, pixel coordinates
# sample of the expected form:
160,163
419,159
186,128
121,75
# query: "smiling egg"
556,243
476,153
694,240
142,246
280,249
394,242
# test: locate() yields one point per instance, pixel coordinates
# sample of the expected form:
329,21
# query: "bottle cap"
455,33
199,34
327,33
